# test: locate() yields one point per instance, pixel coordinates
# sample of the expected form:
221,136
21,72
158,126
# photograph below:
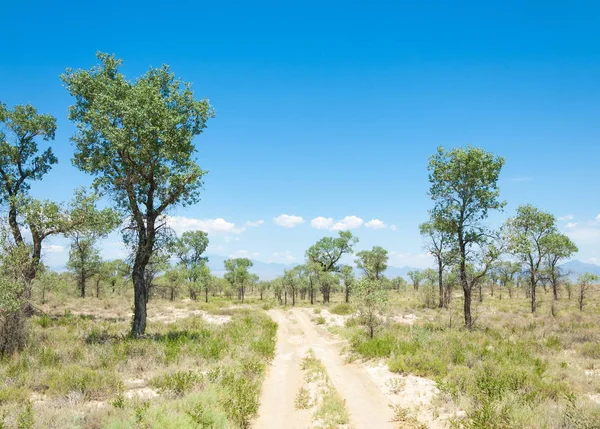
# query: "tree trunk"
206,294
347,298
261,294
480,292
467,308
97,288
293,297
441,283
140,299
532,287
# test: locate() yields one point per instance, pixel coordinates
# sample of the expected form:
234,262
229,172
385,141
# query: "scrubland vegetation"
507,336
80,367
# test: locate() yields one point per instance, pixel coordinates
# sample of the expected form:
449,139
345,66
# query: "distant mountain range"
574,268
269,271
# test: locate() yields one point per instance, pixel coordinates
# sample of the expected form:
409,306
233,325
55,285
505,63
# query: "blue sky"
331,109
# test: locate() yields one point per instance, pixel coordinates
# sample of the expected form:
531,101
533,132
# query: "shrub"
178,383
591,350
319,320
342,309
302,401
91,384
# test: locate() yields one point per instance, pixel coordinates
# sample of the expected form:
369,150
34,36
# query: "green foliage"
372,262
342,309
91,384
178,383
371,302
328,250
302,401
464,188
135,138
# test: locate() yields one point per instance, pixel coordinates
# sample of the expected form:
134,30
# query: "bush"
342,309
91,384
177,384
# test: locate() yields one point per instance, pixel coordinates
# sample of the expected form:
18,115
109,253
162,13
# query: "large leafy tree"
529,235
135,138
21,163
326,254
559,247
439,244
464,188
372,262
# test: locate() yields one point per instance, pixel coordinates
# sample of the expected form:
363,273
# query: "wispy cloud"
255,224
181,224
375,224
349,222
288,221
322,222
566,217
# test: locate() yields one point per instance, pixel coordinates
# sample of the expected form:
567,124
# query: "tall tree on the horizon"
326,253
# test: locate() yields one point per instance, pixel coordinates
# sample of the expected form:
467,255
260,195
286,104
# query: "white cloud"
349,222
322,222
288,221
54,248
244,254
230,238
393,227
250,224
596,220
283,257
416,260
375,224
566,217
592,260
181,224
585,235
571,225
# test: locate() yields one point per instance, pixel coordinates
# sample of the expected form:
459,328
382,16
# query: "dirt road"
296,335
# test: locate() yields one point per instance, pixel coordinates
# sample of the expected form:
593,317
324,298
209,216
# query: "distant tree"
416,277
263,286
464,188
585,280
529,235
348,278
292,281
559,247
84,256
371,302
427,292
326,254
372,262
199,279
119,271
506,272
136,139
237,274
440,245
190,247
173,278
398,283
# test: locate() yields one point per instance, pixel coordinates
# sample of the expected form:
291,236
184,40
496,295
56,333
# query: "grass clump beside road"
185,374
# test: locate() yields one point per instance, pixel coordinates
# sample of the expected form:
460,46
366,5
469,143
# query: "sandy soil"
367,404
